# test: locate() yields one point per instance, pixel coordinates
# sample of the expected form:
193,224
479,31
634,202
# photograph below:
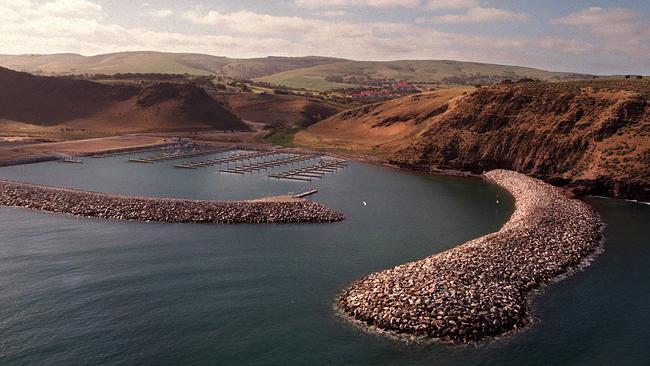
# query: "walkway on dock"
313,171
305,194
165,157
264,165
229,159
129,151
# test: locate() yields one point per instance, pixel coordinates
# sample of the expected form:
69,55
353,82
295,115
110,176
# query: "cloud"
343,3
427,4
161,13
479,15
571,46
596,16
333,13
29,27
245,21
451,4
84,27
71,8
618,29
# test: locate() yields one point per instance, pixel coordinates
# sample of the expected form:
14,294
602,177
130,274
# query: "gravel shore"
92,204
480,289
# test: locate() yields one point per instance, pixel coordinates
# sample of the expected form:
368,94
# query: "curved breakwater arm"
480,289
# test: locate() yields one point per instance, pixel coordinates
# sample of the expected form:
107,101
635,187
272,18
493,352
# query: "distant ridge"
445,72
311,72
158,62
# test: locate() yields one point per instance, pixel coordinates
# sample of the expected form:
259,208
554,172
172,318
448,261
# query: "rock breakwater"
92,204
480,289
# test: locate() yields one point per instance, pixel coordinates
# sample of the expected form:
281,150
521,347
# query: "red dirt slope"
593,136
50,101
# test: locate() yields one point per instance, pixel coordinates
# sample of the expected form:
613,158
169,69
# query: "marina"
197,151
241,157
312,171
264,165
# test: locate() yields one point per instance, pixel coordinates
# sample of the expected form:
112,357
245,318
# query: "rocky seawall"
480,289
92,204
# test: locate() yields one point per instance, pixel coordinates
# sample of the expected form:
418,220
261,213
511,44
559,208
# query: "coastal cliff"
480,289
590,136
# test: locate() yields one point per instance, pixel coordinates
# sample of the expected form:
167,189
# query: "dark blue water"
90,291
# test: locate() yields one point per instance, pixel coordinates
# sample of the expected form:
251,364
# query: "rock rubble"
92,204
480,289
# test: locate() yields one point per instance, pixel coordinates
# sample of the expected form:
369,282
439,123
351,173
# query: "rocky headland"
110,206
480,289
591,137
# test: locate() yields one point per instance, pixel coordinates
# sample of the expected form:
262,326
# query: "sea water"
93,291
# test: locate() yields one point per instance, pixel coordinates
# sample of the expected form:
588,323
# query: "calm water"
90,291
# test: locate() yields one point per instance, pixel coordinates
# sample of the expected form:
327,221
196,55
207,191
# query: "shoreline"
577,189
481,289
569,190
170,210
51,151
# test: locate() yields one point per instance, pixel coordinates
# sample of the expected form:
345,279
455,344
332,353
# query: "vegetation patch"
282,137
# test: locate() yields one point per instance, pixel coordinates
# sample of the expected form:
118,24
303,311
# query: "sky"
600,37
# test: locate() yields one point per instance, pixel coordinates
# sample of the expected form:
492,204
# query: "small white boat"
71,160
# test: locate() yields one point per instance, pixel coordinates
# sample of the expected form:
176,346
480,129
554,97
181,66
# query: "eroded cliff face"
592,136
595,139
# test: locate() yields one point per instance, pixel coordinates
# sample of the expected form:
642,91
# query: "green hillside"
311,72
422,71
158,62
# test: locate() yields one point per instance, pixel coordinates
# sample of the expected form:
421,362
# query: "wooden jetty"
165,157
127,151
264,165
71,160
305,194
228,159
313,171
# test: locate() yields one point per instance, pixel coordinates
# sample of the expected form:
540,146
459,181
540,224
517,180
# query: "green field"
312,82
281,138
294,72
158,62
416,71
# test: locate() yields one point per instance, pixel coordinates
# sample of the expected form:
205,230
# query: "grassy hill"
311,72
421,71
157,62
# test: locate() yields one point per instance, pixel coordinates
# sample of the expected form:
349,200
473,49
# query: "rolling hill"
311,72
49,104
157,62
593,136
421,71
